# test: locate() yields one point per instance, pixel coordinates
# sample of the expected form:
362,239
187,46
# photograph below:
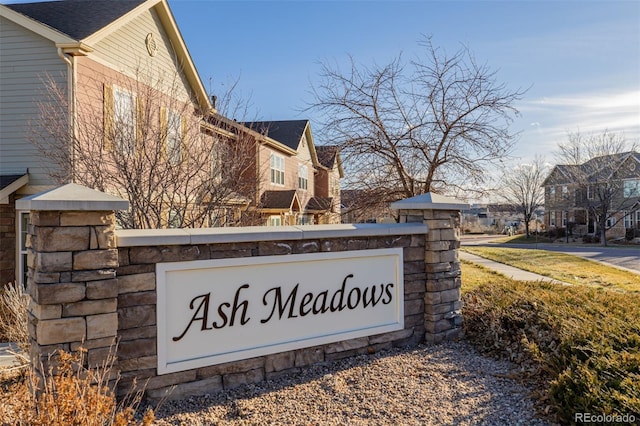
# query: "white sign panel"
216,311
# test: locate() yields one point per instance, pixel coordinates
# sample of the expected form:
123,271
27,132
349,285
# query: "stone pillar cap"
72,197
429,201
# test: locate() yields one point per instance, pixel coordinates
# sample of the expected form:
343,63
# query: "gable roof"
596,169
319,204
280,200
76,18
80,23
10,183
287,132
329,156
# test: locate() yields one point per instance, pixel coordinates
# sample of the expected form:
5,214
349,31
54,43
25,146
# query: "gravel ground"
446,384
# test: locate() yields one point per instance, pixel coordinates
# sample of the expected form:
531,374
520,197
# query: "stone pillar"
72,260
442,301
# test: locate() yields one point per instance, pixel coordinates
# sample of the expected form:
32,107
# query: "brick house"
602,192
93,54
299,181
124,65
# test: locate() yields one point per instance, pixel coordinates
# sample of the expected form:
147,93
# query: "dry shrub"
582,345
14,305
70,394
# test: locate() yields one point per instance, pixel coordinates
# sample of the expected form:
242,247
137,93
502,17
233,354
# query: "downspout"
70,60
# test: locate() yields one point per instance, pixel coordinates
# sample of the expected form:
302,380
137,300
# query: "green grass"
562,267
580,344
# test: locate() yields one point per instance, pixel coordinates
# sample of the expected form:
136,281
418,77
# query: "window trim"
631,191
275,218
276,173
128,118
303,177
21,245
175,137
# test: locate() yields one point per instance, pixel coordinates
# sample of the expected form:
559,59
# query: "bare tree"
522,188
603,169
143,140
430,125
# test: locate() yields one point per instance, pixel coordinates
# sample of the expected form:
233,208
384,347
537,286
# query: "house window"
277,169
552,218
305,219
174,137
303,177
275,221
23,230
335,187
590,191
124,120
175,218
565,191
564,219
552,192
632,188
628,219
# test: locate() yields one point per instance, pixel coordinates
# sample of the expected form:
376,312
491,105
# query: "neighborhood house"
105,94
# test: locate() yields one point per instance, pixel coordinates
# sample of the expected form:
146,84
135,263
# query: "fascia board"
311,144
35,26
119,23
170,26
278,145
12,187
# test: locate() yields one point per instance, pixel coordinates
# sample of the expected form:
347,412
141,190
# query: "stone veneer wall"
137,355
91,285
443,304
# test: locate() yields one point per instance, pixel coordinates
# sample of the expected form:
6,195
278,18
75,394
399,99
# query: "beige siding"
25,60
126,51
304,159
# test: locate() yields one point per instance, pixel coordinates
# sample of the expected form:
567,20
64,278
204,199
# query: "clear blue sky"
581,58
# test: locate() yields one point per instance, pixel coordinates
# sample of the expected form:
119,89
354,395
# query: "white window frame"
590,190
564,219
124,120
275,220
303,177
277,169
628,219
21,244
552,192
631,188
552,218
174,218
174,137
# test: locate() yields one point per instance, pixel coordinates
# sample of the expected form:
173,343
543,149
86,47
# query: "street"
621,256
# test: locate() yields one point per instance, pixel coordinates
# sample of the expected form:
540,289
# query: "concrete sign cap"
72,197
429,201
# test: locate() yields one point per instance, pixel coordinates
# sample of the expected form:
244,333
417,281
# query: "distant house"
495,217
354,210
601,192
299,183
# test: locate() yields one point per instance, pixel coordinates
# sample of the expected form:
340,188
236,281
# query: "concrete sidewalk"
509,271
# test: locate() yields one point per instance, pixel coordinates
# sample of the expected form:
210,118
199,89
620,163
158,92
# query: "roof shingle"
76,18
